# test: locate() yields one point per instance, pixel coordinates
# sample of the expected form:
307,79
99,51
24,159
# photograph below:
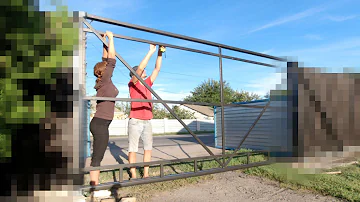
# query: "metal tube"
222,105
195,166
164,33
121,174
171,101
161,170
172,177
153,92
181,48
147,100
247,134
151,163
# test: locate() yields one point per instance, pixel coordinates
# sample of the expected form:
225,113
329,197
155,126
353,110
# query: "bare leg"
147,158
94,177
132,159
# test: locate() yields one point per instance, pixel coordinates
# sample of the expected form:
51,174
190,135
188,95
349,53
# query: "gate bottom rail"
126,183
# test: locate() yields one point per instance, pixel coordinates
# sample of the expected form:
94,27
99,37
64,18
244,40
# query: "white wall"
162,126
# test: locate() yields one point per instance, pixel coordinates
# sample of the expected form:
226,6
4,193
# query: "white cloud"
350,43
341,18
313,37
261,86
291,18
165,95
267,51
162,92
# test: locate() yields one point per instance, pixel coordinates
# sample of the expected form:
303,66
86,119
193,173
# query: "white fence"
163,126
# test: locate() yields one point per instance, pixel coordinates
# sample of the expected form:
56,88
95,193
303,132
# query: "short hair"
135,69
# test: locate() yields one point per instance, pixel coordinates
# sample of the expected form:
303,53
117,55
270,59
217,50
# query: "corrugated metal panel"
268,134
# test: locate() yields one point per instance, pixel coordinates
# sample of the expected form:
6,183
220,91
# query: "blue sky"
316,33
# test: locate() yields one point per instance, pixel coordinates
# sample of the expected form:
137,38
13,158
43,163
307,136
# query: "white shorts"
139,128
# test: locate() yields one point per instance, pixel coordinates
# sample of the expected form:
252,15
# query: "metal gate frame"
221,159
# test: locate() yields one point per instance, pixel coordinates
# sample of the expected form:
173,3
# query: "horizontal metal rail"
169,34
134,182
121,166
182,48
169,101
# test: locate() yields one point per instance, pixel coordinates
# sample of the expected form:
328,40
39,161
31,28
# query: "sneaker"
102,193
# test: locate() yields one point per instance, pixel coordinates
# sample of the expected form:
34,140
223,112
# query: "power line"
101,53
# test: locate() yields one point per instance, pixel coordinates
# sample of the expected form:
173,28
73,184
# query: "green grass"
345,185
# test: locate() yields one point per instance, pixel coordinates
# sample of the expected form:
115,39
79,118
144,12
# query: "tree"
161,113
182,113
124,107
267,95
209,91
244,96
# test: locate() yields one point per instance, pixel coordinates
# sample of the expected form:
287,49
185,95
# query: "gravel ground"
236,186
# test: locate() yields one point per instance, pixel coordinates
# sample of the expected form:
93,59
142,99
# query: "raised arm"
144,62
111,61
156,71
111,48
105,51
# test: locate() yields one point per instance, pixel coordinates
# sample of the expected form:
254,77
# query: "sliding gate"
222,160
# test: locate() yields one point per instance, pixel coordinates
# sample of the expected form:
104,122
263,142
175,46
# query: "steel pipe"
169,34
182,48
134,182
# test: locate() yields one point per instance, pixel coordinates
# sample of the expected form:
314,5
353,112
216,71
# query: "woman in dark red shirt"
99,125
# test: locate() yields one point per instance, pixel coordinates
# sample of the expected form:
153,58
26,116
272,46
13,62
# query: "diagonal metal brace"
247,134
153,92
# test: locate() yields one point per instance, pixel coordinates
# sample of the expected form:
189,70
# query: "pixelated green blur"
38,47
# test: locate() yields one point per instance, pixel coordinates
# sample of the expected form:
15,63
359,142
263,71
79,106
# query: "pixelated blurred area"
38,98
326,117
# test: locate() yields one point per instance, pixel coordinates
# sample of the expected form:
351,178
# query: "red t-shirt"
140,110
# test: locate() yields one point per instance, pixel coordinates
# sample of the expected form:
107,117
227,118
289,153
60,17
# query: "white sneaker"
102,193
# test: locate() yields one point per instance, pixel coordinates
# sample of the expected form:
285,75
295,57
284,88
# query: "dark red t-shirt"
140,110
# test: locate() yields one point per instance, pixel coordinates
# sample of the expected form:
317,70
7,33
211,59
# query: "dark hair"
134,68
99,69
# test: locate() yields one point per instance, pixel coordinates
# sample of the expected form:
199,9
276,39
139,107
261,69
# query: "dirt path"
236,186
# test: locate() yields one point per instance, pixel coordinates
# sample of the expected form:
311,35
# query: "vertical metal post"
222,106
247,158
88,143
161,170
195,166
292,108
79,105
121,174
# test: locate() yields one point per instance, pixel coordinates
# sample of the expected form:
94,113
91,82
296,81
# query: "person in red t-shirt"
141,112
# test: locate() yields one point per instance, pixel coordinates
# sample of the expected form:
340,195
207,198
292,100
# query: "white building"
200,112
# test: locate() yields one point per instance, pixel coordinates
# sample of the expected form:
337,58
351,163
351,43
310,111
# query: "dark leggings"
100,131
